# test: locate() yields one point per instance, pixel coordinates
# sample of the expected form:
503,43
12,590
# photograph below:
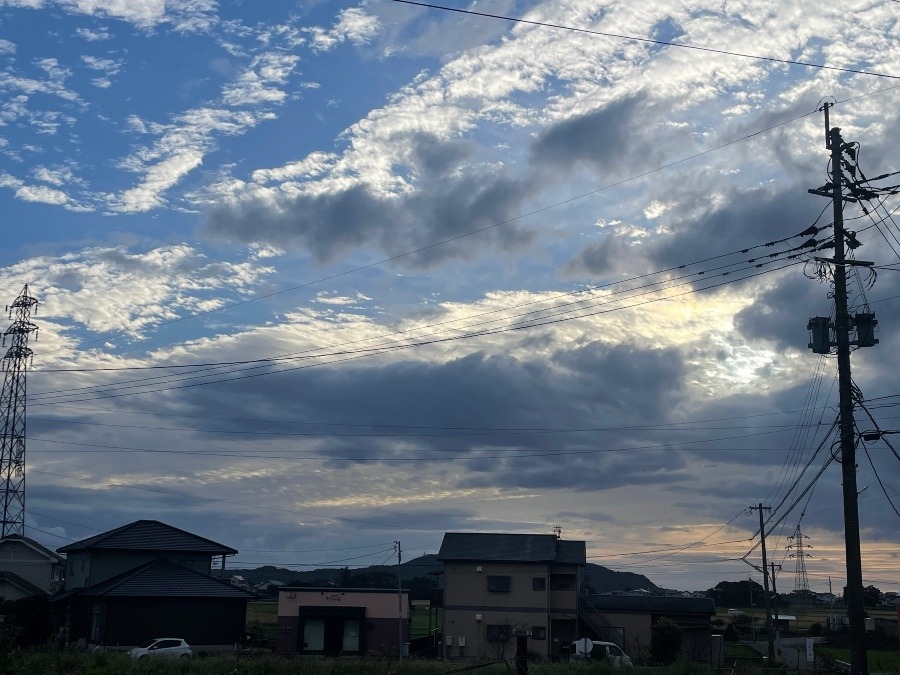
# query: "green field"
806,616
879,661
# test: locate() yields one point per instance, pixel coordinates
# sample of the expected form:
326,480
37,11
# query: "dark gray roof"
24,584
654,604
163,578
492,547
149,535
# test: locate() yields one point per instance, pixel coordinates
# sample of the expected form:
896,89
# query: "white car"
596,650
172,648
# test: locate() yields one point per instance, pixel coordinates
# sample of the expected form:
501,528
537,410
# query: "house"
498,584
628,621
28,569
147,579
341,621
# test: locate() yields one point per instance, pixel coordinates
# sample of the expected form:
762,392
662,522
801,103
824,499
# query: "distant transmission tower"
801,580
12,413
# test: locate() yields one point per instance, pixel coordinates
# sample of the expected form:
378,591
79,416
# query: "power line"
363,353
633,38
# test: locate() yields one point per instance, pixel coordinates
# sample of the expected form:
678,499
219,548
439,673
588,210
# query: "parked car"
172,648
596,650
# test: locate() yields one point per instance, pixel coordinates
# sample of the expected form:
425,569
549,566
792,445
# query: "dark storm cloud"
597,259
781,313
446,204
462,407
700,228
608,140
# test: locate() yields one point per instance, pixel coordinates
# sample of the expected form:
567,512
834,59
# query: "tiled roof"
149,535
15,580
493,547
650,603
163,578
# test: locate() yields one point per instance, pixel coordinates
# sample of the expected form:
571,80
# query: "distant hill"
601,579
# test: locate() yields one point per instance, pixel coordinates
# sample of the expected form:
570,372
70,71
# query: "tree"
665,641
871,596
736,593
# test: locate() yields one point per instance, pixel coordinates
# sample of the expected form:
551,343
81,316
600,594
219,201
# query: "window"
538,584
562,582
499,632
498,584
538,633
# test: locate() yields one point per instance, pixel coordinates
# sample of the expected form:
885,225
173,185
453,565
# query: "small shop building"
342,621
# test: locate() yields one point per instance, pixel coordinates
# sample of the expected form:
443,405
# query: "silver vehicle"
172,648
596,650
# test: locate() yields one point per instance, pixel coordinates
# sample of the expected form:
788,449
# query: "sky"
316,277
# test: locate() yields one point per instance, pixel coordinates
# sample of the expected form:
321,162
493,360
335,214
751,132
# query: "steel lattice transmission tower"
12,413
801,580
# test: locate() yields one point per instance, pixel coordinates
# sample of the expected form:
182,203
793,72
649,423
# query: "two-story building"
28,569
148,579
496,585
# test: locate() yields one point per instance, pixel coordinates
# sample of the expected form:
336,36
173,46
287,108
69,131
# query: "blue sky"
211,182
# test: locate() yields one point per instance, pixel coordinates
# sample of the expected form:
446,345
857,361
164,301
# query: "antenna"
12,413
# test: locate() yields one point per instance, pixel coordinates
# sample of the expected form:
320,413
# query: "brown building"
336,621
498,584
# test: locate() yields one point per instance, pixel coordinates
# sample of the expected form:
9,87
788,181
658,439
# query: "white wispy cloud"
178,151
110,289
353,25
7,47
93,35
260,82
185,15
42,194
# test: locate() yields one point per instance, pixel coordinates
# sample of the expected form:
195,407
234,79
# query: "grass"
879,660
52,662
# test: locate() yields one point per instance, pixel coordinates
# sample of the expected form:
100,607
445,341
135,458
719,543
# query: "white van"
595,650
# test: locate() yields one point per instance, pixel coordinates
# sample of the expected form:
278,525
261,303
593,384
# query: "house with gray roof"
149,579
497,584
628,621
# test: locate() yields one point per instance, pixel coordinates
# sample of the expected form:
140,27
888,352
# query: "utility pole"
772,566
12,414
842,324
399,605
770,636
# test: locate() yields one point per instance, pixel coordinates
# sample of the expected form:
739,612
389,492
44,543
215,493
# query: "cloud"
7,47
186,15
255,84
331,223
93,35
41,194
353,25
179,150
150,286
